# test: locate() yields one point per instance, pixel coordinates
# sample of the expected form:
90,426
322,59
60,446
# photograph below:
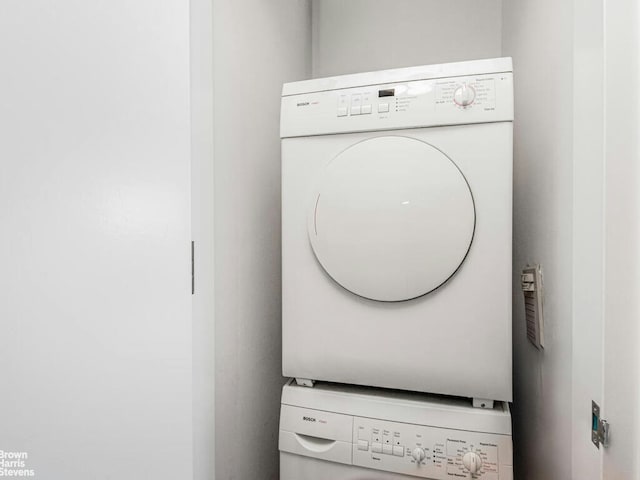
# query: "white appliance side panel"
423,344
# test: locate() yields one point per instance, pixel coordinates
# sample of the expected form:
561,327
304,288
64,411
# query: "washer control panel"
421,103
404,448
429,452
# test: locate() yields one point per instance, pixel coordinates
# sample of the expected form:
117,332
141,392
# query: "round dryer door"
393,219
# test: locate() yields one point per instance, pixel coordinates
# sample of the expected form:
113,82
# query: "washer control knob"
417,454
464,95
472,462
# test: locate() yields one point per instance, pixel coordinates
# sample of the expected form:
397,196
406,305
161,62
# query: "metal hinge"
193,273
599,427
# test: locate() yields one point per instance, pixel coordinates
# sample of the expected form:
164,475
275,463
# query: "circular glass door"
393,219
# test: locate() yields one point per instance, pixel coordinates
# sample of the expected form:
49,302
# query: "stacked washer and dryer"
396,264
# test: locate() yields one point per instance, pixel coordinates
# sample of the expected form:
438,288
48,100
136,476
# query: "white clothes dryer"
397,229
344,432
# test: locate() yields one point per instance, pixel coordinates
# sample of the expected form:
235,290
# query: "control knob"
418,454
464,95
472,462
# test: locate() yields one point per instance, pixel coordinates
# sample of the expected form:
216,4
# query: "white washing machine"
397,230
343,432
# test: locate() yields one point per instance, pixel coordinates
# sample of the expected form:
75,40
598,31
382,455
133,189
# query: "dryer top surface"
422,72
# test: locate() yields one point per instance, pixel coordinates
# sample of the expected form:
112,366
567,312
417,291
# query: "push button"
383,107
398,450
343,111
363,445
376,447
387,449
356,103
366,109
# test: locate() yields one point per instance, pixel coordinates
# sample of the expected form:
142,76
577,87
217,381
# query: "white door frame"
588,232
201,35
606,364
622,221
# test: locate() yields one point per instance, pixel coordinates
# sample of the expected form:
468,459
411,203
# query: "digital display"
389,92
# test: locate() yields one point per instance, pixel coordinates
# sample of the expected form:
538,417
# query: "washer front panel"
422,451
393,219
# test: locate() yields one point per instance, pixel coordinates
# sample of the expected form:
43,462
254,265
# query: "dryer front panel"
413,296
392,220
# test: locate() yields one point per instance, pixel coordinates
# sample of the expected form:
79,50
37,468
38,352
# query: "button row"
362,109
377,447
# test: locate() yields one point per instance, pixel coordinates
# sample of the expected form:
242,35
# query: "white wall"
363,35
539,37
95,304
202,202
588,231
258,45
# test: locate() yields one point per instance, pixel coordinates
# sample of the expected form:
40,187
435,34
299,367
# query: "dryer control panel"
417,450
422,103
